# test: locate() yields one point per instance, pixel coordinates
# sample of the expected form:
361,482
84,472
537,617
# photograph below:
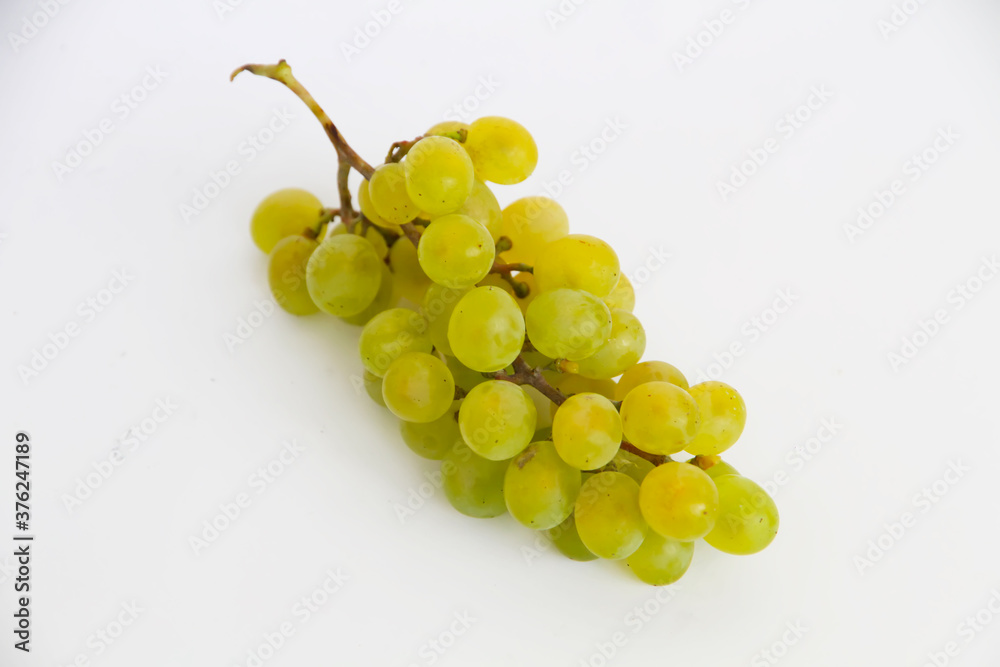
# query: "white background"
653,189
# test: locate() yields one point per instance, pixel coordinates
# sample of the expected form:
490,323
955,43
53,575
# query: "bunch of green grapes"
464,305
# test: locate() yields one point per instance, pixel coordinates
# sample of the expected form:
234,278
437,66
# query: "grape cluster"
495,337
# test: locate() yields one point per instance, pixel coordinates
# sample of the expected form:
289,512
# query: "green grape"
649,371
501,149
567,324
375,237
343,275
634,466
286,274
607,514
411,281
579,262
748,517
388,335
622,297
482,206
568,542
465,377
456,251
334,230
587,431
714,466
288,212
472,484
432,440
486,330
530,223
539,487
659,417
661,560
373,387
387,194
384,298
439,302
418,387
571,383
494,280
447,127
439,175
368,210
723,416
497,419
622,350
679,501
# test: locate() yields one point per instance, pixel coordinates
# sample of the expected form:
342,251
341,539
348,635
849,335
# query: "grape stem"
347,157
526,375
655,459
411,232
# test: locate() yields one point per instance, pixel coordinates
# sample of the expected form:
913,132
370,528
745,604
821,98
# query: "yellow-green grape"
286,274
447,127
435,439
524,277
659,417
501,149
539,487
456,251
567,324
622,350
343,275
649,371
465,377
373,387
580,262
439,302
483,207
634,466
530,223
714,466
661,560
622,297
748,517
571,383
723,416
439,175
368,210
607,514
333,230
679,501
497,419
418,387
384,298
587,431
375,237
389,334
284,213
411,281
486,330
568,542
387,193
472,484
